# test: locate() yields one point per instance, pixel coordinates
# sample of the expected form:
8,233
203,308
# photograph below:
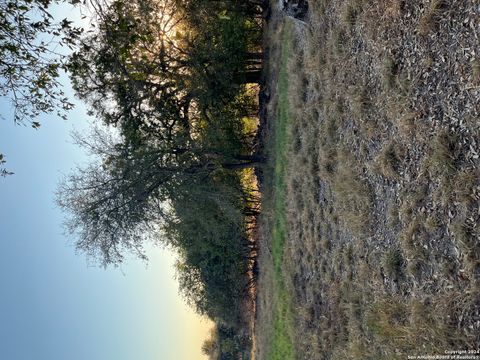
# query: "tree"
117,200
131,71
211,346
122,197
29,62
154,67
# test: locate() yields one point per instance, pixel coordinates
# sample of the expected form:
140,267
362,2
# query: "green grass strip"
282,344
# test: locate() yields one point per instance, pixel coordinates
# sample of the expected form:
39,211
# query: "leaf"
223,15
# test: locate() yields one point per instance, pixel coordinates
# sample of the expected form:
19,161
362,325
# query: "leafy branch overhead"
31,58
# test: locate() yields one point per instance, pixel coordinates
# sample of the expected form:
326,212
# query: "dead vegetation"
383,181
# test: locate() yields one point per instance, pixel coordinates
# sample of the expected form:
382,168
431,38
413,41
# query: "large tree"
127,193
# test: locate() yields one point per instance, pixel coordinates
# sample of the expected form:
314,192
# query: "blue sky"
53,306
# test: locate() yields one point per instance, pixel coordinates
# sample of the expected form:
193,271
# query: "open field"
370,245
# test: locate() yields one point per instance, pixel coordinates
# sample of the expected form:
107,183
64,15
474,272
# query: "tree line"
173,78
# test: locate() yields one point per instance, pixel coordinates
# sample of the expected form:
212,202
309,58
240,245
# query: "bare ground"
382,256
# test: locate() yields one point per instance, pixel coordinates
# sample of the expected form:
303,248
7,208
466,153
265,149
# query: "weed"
412,201
339,39
394,263
412,240
464,184
433,222
349,15
476,71
392,216
466,236
389,73
444,152
389,160
407,124
432,16
360,100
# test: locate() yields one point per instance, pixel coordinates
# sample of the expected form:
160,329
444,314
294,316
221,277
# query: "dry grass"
444,153
432,15
390,159
389,73
412,241
394,263
476,71
407,124
381,255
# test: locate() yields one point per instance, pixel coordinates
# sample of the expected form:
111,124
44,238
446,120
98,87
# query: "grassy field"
370,245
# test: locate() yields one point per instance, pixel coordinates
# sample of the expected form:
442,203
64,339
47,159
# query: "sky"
53,305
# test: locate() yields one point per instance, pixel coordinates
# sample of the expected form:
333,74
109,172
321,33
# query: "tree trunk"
251,158
239,166
249,77
250,56
245,162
